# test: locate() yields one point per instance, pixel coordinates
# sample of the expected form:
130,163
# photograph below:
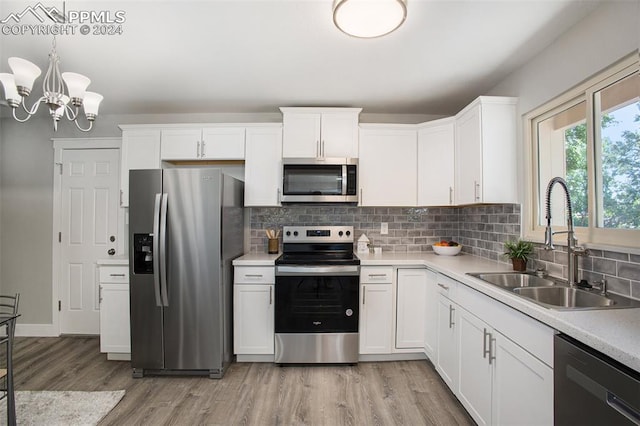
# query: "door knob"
112,238
111,252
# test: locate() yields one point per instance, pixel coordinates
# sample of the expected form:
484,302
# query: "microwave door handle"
344,179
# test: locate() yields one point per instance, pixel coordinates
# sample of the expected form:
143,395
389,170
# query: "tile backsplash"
481,229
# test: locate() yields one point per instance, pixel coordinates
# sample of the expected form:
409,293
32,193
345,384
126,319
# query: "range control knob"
295,233
340,233
348,233
288,233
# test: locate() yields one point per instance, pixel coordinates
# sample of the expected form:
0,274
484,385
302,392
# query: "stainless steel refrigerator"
185,228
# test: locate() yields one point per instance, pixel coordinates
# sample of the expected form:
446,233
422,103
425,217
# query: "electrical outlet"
384,228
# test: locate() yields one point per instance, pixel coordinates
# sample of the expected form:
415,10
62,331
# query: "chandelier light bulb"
10,89
24,73
76,85
91,104
369,18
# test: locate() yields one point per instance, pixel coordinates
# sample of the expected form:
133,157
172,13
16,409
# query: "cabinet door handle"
450,195
121,196
117,275
360,195
377,275
443,286
278,194
253,275
451,311
198,149
364,292
202,147
486,351
322,149
476,190
99,294
317,149
492,355
271,295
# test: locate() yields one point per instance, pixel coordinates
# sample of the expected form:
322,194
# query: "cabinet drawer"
114,274
255,274
447,287
373,274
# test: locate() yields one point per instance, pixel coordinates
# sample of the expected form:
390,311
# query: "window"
589,136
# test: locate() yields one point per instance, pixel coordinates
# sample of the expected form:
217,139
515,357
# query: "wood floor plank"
372,393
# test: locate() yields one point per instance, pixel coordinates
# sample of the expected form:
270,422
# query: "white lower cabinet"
411,291
522,386
476,364
115,334
431,316
498,381
376,310
253,319
447,342
253,313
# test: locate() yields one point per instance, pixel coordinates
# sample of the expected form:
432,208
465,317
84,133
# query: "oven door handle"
343,270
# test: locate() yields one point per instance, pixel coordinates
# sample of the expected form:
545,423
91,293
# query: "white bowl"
447,251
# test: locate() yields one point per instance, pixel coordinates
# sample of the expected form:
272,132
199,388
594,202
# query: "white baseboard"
36,330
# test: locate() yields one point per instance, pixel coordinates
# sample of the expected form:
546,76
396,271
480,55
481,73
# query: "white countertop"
614,332
256,259
114,260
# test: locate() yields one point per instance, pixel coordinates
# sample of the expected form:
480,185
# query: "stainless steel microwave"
319,180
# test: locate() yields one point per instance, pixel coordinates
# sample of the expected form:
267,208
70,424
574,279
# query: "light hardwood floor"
372,393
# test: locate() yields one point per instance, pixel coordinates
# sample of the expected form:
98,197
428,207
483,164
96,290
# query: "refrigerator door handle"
163,251
156,250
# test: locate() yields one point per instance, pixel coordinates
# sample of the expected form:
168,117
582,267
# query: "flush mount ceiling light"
369,18
17,87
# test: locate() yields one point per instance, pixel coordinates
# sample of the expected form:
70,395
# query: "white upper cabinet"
485,150
263,166
210,143
436,163
388,172
140,150
320,132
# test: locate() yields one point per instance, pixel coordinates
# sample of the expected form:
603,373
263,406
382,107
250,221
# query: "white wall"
608,34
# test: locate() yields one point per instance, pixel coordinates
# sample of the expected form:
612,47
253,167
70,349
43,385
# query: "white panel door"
448,344
522,386
253,324
388,164
410,308
181,144
475,367
263,167
436,164
376,318
468,137
222,143
89,216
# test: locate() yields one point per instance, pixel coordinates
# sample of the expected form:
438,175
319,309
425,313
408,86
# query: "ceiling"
254,56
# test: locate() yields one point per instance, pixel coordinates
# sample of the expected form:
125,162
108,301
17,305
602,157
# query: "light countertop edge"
115,260
613,332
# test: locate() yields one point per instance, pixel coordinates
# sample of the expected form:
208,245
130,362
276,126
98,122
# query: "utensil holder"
272,246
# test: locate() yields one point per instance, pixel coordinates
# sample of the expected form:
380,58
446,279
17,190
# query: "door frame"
59,146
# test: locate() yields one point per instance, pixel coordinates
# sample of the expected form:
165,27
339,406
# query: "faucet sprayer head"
548,239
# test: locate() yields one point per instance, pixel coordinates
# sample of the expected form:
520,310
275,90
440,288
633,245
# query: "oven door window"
312,180
316,304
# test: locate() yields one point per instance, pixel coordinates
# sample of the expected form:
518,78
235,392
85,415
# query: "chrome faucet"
573,250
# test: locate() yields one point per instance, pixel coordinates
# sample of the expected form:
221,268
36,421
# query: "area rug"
61,407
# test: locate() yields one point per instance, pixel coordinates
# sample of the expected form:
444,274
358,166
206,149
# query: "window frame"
591,236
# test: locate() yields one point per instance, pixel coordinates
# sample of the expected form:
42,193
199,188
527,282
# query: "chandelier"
369,18
17,87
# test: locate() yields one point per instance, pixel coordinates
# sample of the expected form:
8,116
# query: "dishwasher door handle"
623,408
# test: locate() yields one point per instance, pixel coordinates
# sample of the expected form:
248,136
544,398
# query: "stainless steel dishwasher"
591,388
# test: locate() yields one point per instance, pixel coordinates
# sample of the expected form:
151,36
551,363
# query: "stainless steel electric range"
316,296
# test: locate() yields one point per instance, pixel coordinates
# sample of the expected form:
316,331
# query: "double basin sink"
554,293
